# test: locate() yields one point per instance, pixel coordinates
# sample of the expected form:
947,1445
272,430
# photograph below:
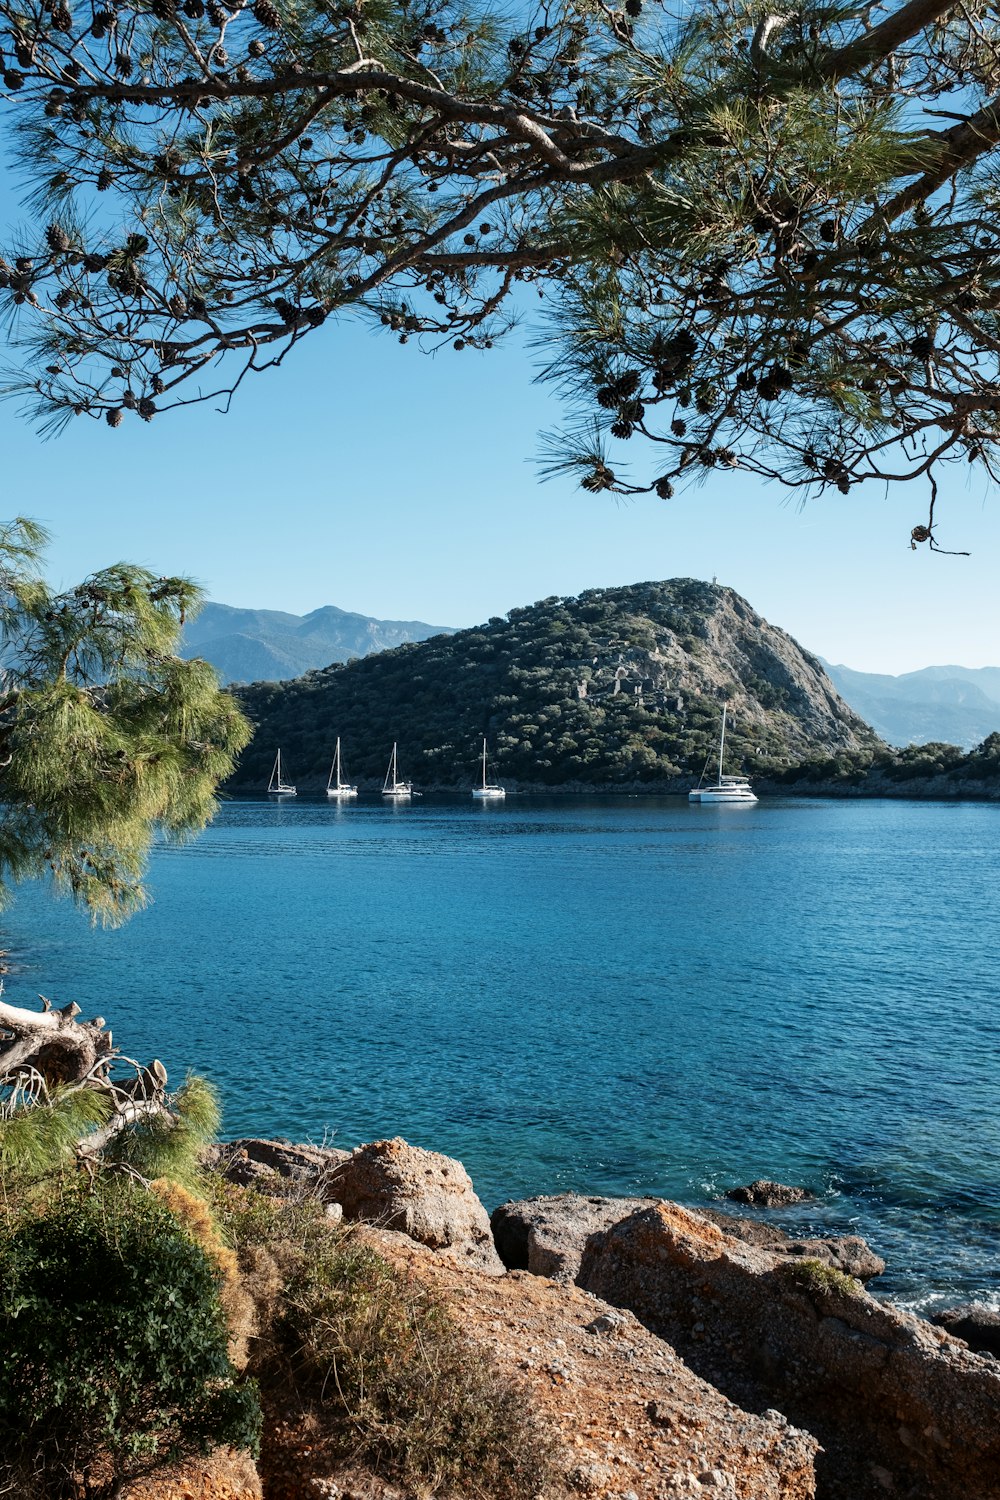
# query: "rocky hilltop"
617,688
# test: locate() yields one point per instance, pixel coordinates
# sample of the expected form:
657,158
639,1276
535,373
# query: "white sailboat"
400,791
724,788
489,791
334,786
276,787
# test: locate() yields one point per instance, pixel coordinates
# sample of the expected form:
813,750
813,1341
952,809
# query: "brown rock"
277,1167
546,1236
425,1195
974,1322
881,1390
628,1416
766,1194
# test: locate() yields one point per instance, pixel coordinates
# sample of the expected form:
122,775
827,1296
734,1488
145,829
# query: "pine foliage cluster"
768,237
107,737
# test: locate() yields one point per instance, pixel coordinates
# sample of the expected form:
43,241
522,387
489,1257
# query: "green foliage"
541,685
106,736
820,1280
171,1147
381,1364
115,1346
38,1140
769,235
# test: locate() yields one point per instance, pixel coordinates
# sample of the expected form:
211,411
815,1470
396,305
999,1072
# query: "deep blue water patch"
608,995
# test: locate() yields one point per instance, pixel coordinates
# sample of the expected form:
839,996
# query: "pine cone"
164,10
62,18
194,8
257,47
104,180
113,416
267,14
57,239
664,489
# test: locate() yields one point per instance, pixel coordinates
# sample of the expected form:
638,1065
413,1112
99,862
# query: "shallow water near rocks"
605,995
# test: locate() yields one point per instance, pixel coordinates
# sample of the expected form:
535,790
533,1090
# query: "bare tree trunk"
52,1042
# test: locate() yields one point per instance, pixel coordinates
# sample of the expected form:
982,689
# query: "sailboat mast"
484,762
277,764
336,761
722,742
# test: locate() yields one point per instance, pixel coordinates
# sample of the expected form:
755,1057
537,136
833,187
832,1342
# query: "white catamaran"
489,791
724,788
276,786
334,786
400,791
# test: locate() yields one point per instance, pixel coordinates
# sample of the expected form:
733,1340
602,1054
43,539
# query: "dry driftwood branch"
41,1050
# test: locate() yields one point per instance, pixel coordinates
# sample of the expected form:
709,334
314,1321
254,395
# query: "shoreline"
767,790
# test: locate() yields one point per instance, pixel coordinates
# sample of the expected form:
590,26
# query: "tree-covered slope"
618,687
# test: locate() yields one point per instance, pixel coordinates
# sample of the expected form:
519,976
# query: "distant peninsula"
618,689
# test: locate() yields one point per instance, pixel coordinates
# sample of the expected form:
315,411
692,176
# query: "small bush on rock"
818,1279
114,1342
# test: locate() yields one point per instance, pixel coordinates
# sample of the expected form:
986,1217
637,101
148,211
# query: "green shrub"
115,1346
818,1279
377,1361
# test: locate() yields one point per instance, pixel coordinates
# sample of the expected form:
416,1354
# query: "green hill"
618,688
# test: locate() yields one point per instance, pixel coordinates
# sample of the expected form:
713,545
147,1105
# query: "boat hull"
489,793
341,793
714,794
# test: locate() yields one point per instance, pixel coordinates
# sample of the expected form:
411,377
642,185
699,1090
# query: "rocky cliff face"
616,688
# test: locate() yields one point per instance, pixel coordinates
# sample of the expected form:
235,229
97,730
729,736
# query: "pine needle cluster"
107,737
770,235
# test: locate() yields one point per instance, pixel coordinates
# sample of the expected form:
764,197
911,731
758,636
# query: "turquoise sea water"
614,995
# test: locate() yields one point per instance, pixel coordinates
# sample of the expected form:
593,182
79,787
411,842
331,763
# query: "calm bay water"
606,995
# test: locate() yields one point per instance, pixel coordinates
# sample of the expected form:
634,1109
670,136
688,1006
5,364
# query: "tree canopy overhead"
772,234
105,734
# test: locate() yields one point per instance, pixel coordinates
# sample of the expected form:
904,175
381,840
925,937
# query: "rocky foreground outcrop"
671,1352
898,1406
548,1235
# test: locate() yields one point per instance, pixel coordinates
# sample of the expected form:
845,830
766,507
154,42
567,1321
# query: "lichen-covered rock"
894,1402
765,1194
425,1195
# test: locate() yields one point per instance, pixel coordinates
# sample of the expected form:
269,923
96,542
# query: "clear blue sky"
369,476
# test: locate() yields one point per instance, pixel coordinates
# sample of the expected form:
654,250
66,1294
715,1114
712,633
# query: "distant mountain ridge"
956,705
620,687
254,645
